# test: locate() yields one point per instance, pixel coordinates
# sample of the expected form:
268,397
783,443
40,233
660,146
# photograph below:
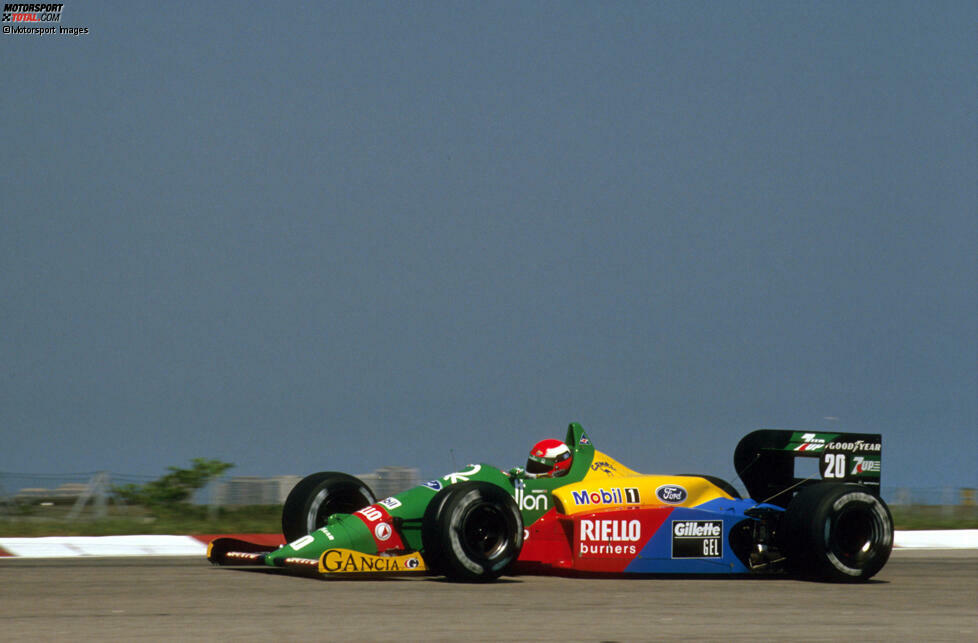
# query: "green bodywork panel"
532,495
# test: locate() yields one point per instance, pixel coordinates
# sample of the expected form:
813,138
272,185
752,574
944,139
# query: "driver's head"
548,459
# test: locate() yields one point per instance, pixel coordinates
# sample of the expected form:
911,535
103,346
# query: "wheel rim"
855,538
484,532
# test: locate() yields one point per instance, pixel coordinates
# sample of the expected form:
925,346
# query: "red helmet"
548,459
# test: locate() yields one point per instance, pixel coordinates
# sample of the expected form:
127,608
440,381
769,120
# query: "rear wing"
765,461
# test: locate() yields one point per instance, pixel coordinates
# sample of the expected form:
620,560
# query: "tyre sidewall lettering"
455,531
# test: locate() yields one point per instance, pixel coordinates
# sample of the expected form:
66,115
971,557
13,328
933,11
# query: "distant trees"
174,488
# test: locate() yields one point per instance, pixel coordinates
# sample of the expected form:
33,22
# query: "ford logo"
671,494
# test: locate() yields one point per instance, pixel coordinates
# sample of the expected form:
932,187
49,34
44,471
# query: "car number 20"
835,465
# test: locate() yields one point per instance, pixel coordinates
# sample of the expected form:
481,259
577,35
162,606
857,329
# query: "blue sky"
338,236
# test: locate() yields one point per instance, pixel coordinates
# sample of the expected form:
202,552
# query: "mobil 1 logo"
697,539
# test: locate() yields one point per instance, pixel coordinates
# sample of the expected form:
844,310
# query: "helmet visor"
537,466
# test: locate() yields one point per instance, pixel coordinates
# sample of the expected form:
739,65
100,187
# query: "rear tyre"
317,497
472,531
836,532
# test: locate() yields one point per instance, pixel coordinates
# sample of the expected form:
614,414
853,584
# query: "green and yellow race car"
576,510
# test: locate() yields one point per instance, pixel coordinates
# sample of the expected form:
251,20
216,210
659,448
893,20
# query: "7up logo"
810,442
861,465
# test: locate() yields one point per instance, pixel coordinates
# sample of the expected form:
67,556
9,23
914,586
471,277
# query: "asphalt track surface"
919,595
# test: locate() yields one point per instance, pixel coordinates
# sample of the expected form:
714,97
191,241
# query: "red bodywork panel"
603,542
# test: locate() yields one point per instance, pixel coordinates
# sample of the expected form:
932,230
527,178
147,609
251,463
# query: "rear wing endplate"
765,461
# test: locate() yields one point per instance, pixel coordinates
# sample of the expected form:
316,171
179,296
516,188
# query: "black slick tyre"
836,532
430,540
472,532
318,496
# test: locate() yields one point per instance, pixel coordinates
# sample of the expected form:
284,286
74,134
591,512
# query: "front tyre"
837,532
473,532
317,497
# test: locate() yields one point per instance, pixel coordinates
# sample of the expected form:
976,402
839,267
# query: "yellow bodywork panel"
611,485
348,561
603,466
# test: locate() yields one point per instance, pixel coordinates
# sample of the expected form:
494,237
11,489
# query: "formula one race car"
576,510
